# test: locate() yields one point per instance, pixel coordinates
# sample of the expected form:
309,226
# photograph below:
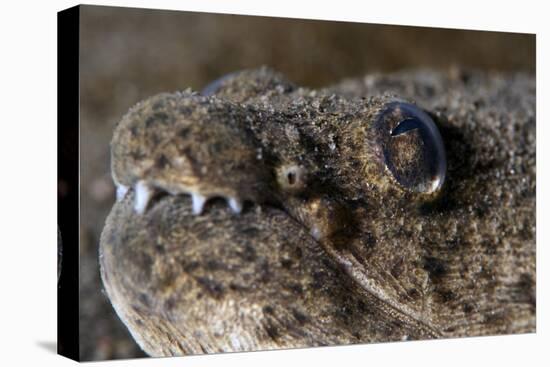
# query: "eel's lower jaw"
144,193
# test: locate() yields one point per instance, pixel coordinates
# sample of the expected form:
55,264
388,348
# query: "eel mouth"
147,199
161,202
147,195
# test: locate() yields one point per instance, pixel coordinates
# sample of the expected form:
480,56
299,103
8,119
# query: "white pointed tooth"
121,191
235,205
198,203
143,195
316,233
319,232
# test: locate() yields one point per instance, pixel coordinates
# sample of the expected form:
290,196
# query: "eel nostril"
291,176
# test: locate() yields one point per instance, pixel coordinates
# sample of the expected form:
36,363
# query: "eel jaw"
144,193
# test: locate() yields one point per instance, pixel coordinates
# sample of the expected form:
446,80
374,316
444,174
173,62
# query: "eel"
257,214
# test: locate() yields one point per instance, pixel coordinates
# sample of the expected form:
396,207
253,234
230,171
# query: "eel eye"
412,146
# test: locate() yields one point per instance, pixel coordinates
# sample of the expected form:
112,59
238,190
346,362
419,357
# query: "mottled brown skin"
329,248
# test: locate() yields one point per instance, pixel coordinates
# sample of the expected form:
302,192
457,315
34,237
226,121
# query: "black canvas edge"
68,152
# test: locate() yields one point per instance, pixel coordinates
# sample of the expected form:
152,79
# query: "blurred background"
127,55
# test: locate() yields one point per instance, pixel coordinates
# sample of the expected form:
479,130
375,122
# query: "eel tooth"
121,191
235,205
316,233
143,195
198,203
